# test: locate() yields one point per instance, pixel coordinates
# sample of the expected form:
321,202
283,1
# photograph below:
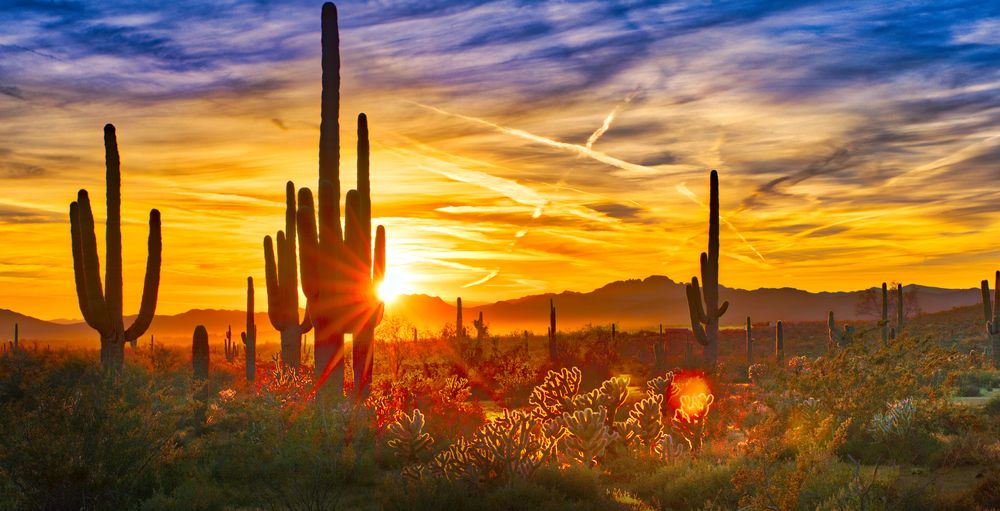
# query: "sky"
517,147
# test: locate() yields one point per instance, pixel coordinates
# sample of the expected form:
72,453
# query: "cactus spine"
459,329
199,353
991,314
749,343
249,336
705,318
779,343
553,346
339,271
102,309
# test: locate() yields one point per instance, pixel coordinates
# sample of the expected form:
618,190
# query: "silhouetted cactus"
779,343
705,317
249,336
199,353
749,343
102,308
884,322
839,337
482,331
230,348
991,314
339,271
282,279
17,335
553,346
459,327
900,311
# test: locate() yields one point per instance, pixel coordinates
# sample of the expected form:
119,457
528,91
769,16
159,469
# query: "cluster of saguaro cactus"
991,314
705,316
482,330
102,307
249,336
282,279
231,349
341,270
199,353
553,345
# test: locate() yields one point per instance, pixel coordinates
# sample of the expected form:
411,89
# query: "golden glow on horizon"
394,284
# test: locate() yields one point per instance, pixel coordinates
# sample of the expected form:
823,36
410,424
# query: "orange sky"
490,190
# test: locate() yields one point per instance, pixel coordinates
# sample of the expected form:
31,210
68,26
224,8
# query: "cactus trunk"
900,310
553,346
102,307
749,343
991,313
779,343
884,322
199,353
459,329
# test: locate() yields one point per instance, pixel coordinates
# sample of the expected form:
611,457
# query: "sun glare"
392,286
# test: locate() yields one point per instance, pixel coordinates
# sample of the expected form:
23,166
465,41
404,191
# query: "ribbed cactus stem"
991,315
281,277
199,353
705,316
16,335
779,343
249,336
102,306
884,322
749,343
553,346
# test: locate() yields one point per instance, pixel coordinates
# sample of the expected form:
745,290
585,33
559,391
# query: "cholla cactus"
616,390
669,448
755,372
647,419
555,395
509,447
594,399
798,364
664,386
408,439
589,436
895,421
456,463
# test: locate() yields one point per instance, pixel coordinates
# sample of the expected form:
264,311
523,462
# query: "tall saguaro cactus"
339,271
705,317
991,313
249,335
199,353
282,279
779,343
459,327
884,322
900,310
102,308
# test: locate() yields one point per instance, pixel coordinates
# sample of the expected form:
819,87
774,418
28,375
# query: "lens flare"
693,396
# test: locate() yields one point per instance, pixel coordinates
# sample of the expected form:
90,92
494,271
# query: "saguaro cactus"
839,337
102,308
459,328
249,335
282,279
705,318
553,346
779,343
749,343
228,346
991,313
199,353
17,335
481,329
884,322
900,310
339,271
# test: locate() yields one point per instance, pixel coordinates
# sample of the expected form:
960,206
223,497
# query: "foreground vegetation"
462,423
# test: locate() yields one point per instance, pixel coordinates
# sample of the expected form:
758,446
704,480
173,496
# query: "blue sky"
858,142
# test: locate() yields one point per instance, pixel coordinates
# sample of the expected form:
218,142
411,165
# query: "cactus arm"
996,303
151,283
695,302
901,309
987,306
91,267
306,325
271,280
885,313
722,309
378,262
78,268
113,233
696,325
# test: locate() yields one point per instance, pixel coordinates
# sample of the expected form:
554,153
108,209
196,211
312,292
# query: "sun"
393,285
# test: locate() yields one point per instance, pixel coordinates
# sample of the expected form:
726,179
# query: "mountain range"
631,304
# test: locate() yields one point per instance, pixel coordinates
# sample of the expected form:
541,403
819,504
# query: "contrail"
629,168
683,190
483,280
609,119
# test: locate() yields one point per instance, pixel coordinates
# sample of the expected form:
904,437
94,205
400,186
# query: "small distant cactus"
839,337
459,327
482,330
779,343
249,336
408,439
553,345
199,353
231,350
749,340
991,314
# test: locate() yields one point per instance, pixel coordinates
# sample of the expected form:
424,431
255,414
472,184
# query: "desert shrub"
992,407
75,437
686,484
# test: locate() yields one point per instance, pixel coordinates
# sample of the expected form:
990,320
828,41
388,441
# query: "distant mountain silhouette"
632,304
